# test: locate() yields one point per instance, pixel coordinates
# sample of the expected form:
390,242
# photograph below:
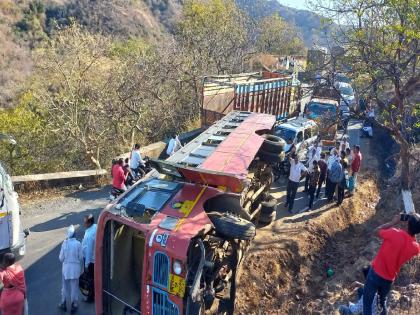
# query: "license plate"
177,285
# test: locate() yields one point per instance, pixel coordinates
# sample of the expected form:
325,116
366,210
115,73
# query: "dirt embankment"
285,270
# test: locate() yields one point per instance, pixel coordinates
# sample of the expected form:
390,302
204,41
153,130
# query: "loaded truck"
260,92
323,108
174,242
12,235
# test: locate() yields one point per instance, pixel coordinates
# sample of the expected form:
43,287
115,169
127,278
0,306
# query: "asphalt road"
48,219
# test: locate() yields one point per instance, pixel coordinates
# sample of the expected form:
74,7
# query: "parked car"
302,131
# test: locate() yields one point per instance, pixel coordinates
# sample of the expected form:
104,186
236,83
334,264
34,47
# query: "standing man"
173,145
314,154
71,256
323,173
136,162
355,165
398,246
313,182
88,246
334,177
331,159
297,172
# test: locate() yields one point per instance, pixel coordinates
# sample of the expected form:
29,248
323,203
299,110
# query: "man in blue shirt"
88,247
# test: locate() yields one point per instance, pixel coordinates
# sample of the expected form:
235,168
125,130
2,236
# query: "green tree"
382,45
34,142
32,25
276,36
214,33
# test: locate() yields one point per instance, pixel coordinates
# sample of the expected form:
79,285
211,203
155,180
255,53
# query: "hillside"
25,23
308,23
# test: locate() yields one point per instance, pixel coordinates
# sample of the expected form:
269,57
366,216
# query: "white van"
301,130
12,236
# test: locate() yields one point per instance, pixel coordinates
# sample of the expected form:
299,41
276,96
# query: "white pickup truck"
12,236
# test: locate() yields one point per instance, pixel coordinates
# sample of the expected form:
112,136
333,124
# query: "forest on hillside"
81,81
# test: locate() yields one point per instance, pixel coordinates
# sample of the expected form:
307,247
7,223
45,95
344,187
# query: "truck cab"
12,236
173,243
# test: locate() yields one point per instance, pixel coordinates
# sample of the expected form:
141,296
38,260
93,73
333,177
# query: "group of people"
398,246
77,258
338,172
124,172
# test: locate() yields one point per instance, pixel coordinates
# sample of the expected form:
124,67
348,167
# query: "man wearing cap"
71,256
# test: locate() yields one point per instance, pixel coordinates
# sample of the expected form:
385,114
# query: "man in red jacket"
355,164
398,246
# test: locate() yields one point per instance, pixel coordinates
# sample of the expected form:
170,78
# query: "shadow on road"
65,220
90,194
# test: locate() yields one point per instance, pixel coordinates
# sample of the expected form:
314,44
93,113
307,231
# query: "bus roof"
224,151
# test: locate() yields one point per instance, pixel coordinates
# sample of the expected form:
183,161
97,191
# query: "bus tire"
270,157
226,203
267,207
273,144
267,218
232,226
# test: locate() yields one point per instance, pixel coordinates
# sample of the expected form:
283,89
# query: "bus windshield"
319,109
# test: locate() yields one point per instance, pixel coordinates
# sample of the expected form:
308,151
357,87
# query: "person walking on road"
323,173
13,295
297,172
398,246
71,256
355,167
313,182
88,247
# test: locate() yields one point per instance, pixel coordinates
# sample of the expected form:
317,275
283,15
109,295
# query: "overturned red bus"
173,243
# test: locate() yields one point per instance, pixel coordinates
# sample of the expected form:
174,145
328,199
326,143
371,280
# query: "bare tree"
382,45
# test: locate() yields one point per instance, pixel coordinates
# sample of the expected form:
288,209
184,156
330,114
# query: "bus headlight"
177,267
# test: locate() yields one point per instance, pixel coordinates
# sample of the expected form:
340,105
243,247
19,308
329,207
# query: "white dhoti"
70,290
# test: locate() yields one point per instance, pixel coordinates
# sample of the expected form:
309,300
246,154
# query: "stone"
394,296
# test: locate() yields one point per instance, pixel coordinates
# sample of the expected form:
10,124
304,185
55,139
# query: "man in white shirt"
136,162
297,172
173,145
88,246
71,256
344,144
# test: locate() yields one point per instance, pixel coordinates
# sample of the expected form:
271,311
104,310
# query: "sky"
298,4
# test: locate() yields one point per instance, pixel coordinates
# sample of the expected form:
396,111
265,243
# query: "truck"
12,235
174,242
260,92
323,108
